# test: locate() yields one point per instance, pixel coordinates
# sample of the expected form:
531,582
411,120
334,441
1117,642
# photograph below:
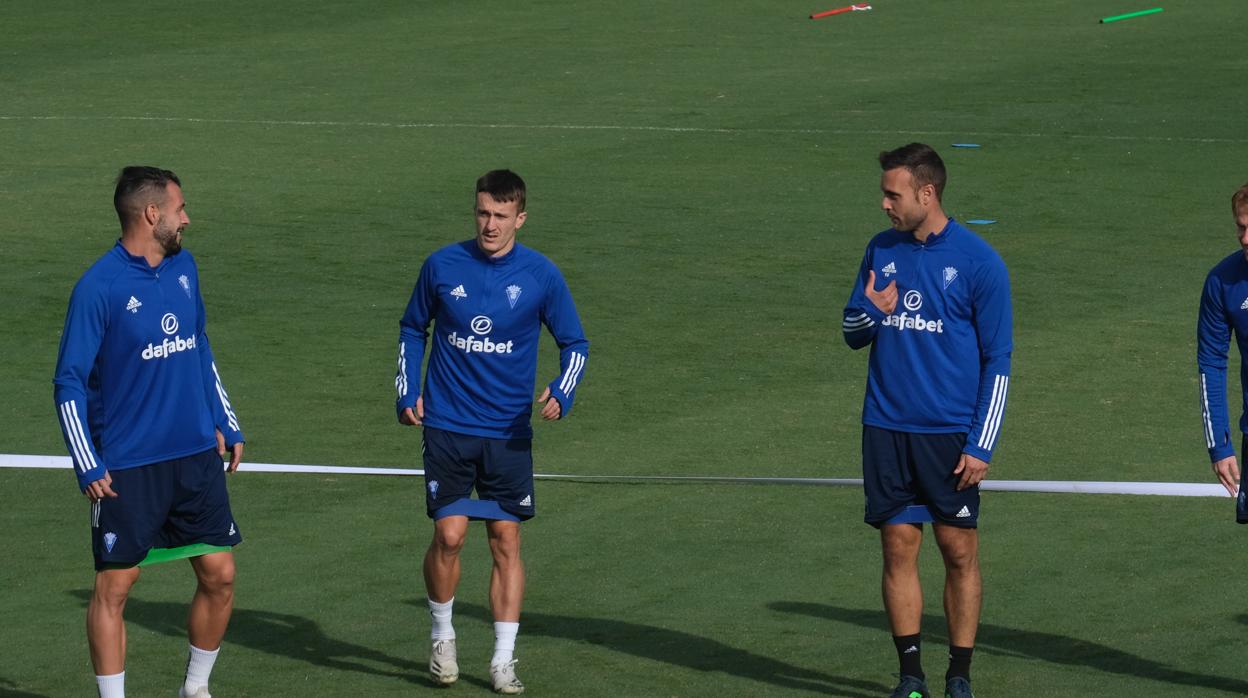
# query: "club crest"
433,489
513,294
110,539
950,275
186,284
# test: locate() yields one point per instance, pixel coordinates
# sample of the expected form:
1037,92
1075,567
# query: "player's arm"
413,335
85,323
229,433
993,318
1213,341
867,306
561,319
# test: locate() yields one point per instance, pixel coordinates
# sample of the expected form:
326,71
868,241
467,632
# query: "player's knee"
961,554
218,577
449,541
901,546
961,560
110,594
505,543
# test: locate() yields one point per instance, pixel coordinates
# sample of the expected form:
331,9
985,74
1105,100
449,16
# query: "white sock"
441,613
198,668
112,686
504,642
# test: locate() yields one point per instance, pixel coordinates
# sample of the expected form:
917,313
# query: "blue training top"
941,362
1223,307
135,381
487,314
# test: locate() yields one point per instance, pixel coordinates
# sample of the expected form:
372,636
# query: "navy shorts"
903,468
163,505
501,470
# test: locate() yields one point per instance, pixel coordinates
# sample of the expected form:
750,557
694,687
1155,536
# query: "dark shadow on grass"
280,634
8,690
680,649
1046,647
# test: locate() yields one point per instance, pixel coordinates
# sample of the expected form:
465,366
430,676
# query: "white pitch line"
622,127
1170,489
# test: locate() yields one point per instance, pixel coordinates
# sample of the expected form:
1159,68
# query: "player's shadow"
281,634
680,649
7,690
1047,647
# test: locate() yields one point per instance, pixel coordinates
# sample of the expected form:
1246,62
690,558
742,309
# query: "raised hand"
885,300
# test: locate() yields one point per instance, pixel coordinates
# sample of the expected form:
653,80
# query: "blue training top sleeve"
994,320
413,334
861,318
85,323
1213,341
560,317
223,416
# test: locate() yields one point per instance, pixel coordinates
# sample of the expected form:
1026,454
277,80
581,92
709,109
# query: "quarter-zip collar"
936,238
505,259
140,261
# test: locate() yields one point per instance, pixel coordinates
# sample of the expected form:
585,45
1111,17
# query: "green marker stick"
1130,15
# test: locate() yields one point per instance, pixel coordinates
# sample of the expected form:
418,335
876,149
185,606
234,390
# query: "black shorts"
501,470
163,505
904,468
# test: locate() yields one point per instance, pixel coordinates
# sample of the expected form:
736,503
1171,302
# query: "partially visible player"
147,422
936,389
487,299
1223,309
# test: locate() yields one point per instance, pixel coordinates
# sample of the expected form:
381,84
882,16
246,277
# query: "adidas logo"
964,513
459,292
911,649
527,501
134,305
890,269
1244,305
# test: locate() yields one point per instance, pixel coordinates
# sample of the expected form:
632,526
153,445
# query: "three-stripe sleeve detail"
1204,411
576,365
83,455
996,410
225,400
400,379
853,323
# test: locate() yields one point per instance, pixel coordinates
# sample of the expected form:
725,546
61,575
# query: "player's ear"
151,213
520,218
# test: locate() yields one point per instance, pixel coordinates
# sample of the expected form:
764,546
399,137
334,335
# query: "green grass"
703,173
714,590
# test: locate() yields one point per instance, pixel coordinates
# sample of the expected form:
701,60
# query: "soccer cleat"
443,662
910,687
958,687
201,692
505,680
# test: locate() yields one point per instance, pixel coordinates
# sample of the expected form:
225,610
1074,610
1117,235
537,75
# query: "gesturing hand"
551,409
414,418
1227,471
972,471
885,300
235,451
100,488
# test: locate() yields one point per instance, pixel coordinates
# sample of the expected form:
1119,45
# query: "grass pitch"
704,175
